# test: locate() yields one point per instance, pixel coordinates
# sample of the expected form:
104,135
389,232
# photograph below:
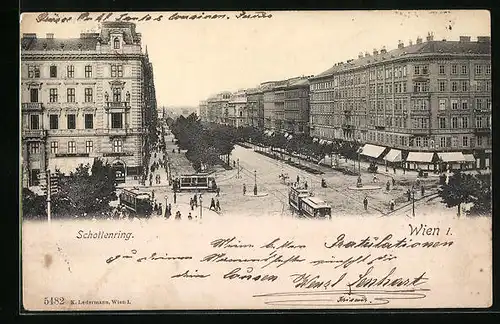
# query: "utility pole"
413,202
238,176
48,196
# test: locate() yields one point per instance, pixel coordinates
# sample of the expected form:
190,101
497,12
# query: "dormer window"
116,43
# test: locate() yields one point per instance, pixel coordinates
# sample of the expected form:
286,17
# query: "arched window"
116,43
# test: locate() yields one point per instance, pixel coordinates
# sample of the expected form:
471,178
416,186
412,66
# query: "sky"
194,59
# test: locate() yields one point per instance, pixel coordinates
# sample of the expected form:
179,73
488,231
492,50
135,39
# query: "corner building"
429,101
86,97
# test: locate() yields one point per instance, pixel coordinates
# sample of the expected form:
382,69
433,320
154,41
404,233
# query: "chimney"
430,36
383,50
29,35
410,42
419,40
464,39
375,52
360,55
483,39
401,44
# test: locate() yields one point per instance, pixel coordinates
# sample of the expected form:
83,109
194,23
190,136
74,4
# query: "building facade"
255,104
238,111
430,97
203,110
296,108
86,97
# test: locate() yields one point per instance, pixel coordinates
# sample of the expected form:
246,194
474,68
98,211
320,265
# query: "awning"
322,141
469,158
290,136
425,157
286,135
315,139
66,165
451,156
373,151
393,156
330,142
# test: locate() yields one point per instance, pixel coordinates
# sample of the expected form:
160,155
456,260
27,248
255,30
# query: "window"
116,120
418,141
33,71
442,104
89,146
116,71
53,95
420,104
71,147
34,122
88,71
404,70
487,69
454,69
442,122
464,85
54,147
421,87
488,103
425,69
88,95
454,122
465,122
454,104
89,121
426,141
441,69
479,140
117,146
465,141
479,103
54,121
71,121
416,69
33,95
70,71
35,148
53,71
71,94
463,70
479,122
479,69
117,95
442,86
442,142
454,86
116,43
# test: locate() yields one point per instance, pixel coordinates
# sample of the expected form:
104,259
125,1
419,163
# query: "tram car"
301,201
136,203
195,182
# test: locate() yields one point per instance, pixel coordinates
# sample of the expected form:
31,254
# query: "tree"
466,188
33,206
89,189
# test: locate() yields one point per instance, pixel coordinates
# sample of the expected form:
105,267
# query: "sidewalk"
179,164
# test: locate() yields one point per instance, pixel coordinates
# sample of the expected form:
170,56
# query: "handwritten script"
341,271
60,18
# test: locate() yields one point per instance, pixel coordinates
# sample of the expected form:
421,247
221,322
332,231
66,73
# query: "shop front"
420,160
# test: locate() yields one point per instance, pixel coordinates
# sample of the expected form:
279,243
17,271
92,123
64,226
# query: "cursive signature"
153,257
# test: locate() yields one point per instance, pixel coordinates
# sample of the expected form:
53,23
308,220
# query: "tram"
195,182
301,201
137,203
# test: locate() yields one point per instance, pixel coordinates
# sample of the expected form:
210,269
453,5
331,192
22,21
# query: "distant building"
238,114
424,98
85,97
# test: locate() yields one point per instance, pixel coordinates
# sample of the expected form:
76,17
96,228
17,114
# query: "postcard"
255,160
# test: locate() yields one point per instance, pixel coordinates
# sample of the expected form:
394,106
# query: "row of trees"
88,190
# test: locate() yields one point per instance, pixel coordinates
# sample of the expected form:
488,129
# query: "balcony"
34,133
418,131
482,130
32,106
117,104
116,131
348,127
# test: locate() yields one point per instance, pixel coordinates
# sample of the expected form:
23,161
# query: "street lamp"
255,183
201,207
413,199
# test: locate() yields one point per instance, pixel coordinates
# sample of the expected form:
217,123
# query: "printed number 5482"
53,301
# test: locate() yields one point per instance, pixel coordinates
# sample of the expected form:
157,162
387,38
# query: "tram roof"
316,202
204,174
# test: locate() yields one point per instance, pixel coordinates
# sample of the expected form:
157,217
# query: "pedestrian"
365,202
150,182
155,207
191,203
177,215
408,193
195,200
175,197
305,185
392,203
151,175
422,190
218,191
388,185
298,179
153,194
394,169
217,205
244,189
189,216
212,204
393,181
160,210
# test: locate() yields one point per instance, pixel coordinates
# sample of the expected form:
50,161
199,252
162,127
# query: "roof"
51,44
316,202
438,47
